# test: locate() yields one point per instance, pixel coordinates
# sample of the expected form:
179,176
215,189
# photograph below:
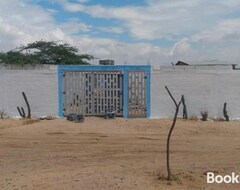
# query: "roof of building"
179,63
205,63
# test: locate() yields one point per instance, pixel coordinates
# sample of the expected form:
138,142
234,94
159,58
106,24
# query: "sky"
128,31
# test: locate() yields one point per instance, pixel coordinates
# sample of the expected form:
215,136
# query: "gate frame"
123,68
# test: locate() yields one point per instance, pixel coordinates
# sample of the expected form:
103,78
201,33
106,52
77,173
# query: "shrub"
2,114
204,115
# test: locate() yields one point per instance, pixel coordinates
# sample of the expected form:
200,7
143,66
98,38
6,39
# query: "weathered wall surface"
203,90
40,86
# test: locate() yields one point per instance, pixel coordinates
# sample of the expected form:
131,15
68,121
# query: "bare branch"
171,96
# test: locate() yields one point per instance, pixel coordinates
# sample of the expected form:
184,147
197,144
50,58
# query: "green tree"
43,52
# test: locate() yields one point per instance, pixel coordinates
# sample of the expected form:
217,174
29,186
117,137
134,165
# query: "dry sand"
115,154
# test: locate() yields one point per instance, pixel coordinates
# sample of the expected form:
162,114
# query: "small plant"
204,115
2,114
225,114
21,110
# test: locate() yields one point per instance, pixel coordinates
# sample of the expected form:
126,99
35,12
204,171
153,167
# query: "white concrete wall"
40,86
203,90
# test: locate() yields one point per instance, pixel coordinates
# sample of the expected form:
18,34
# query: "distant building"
106,62
209,64
180,63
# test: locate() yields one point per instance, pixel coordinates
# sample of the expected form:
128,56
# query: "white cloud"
116,30
188,21
74,7
181,47
224,30
83,1
229,53
160,19
231,3
22,22
30,23
75,27
134,53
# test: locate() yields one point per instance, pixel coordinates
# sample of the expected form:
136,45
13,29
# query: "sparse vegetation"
21,110
45,52
185,115
59,141
225,114
3,114
204,115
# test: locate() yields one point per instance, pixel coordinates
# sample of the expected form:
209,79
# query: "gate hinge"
145,77
64,92
120,75
63,75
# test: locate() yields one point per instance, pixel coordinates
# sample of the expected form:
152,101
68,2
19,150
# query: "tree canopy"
44,52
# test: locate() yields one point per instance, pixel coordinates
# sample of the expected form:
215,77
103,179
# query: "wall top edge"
103,67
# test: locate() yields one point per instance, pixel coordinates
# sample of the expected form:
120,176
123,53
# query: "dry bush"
204,115
3,114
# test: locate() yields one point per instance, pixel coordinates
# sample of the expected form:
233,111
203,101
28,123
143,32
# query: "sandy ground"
115,154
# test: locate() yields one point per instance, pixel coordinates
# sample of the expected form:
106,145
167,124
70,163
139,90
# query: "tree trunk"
168,141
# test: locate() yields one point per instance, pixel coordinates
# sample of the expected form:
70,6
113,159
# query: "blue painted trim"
103,67
60,92
125,93
124,68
